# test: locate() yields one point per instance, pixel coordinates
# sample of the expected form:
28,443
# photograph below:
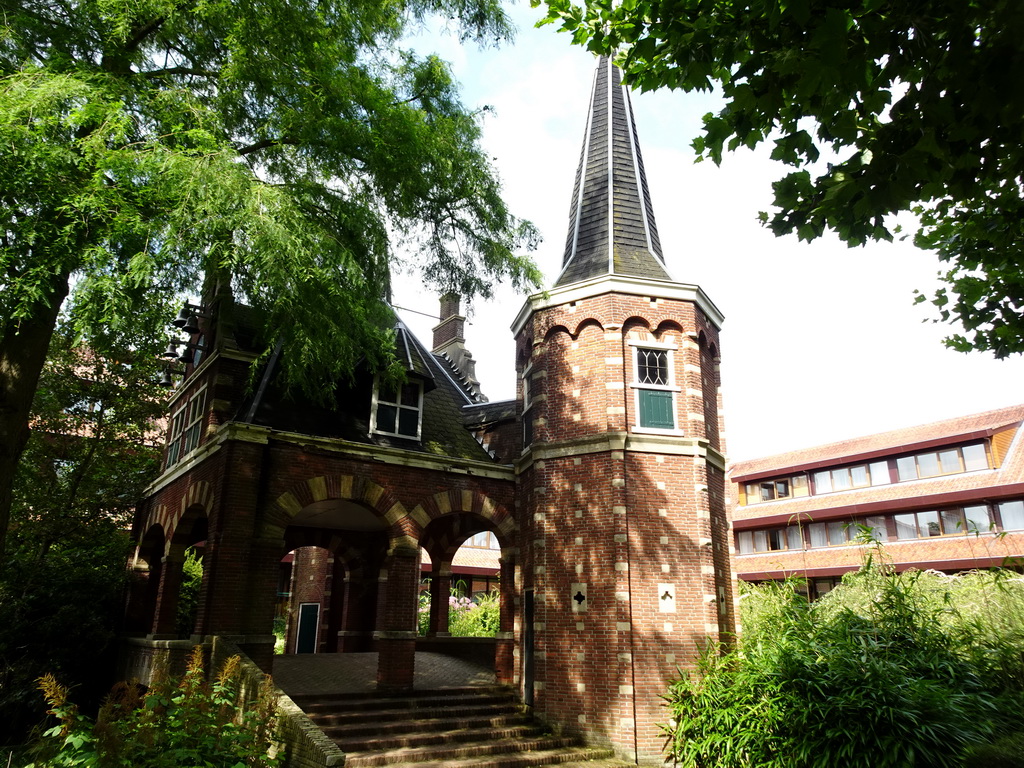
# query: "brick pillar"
166,613
261,600
504,647
359,610
232,524
440,589
396,617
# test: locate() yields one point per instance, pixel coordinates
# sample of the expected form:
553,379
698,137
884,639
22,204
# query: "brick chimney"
450,339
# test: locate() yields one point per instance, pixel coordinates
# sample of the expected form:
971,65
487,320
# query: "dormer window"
654,385
397,409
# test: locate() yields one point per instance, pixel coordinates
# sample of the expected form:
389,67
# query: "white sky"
820,342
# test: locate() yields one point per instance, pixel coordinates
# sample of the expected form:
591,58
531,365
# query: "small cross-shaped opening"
579,597
667,595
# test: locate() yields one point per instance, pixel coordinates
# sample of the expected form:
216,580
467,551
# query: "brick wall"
624,534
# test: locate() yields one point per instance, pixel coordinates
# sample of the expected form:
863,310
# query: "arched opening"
469,608
187,550
327,583
147,568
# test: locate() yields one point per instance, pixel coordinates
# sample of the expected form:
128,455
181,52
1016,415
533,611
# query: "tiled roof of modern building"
946,431
611,219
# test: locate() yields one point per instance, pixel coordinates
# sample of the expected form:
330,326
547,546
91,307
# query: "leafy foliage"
884,670
282,146
282,150
188,593
914,105
186,723
89,458
478,616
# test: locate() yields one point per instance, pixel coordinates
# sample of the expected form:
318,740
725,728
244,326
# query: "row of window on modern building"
957,521
948,461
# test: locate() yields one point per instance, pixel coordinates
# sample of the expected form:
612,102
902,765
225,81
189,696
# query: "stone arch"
455,516
190,528
376,498
667,326
466,501
199,493
352,556
555,330
583,325
636,325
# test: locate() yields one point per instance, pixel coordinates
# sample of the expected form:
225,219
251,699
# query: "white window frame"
528,396
670,348
186,433
376,400
529,399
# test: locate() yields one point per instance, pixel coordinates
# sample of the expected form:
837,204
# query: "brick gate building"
603,481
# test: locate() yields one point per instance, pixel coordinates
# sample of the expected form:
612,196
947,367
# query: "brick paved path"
357,672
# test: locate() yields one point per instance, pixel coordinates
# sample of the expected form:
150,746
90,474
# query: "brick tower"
624,535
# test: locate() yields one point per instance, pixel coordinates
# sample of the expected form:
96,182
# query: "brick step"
402,704
414,738
561,756
446,752
345,729
328,717
375,698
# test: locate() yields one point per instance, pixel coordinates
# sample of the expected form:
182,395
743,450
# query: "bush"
473,618
885,670
467,617
188,593
175,724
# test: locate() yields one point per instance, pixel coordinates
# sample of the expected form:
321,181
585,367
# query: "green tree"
879,106
89,458
282,148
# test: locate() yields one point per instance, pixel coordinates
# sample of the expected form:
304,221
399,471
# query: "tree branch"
180,71
140,33
266,144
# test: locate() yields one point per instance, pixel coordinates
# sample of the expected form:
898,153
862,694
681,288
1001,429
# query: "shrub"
467,617
188,593
885,670
175,724
473,618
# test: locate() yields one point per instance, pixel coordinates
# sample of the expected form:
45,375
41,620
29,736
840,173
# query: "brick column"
166,613
360,606
396,617
504,647
261,600
440,589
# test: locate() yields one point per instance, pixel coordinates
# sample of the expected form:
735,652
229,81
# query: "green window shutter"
656,409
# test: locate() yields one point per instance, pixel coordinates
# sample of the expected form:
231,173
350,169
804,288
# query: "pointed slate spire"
611,221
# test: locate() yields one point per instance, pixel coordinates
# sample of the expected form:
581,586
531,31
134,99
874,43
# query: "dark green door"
309,620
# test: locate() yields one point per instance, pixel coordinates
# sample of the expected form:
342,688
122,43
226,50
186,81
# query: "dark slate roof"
411,355
443,431
611,220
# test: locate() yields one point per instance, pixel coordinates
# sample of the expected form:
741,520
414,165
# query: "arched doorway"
335,550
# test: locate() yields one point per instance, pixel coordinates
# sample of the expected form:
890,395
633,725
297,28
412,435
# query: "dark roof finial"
611,221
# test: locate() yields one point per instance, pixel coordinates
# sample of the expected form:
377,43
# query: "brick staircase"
474,727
